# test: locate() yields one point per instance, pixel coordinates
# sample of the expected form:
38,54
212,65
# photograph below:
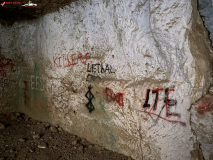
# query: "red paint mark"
157,96
4,63
75,58
205,105
182,123
112,97
154,107
54,59
26,98
3,73
202,106
87,57
168,104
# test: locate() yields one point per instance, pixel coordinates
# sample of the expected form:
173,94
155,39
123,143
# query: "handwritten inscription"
37,83
67,61
4,62
100,68
112,97
168,104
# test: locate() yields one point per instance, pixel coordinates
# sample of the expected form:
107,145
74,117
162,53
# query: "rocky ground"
27,139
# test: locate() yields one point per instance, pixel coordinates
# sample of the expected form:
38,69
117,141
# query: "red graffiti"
202,106
3,73
3,63
182,123
26,97
112,97
74,60
168,104
205,105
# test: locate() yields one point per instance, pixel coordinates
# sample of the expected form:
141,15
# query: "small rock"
47,127
22,140
83,140
80,148
17,114
211,90
36,136
60,129
28,125
46,124
38,123
74,142
11,150
13,118
2,126
42,145
31,150
53,129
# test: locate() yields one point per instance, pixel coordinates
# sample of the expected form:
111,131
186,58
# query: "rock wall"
206,11
122,74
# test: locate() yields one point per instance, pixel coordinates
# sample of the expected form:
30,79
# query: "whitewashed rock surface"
148,44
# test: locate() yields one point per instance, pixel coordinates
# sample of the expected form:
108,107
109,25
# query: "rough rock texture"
206,11
122,74
202,124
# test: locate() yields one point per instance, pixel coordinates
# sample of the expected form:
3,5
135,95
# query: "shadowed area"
9,13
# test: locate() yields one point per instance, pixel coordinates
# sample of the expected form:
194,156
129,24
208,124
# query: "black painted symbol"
90,96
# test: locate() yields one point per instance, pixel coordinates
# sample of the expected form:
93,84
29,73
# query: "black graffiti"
147,99
100,69
169,103
90,96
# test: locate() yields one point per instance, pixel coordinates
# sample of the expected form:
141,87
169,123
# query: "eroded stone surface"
202,123
122,74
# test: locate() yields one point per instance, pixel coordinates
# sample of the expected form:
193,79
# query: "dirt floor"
26,139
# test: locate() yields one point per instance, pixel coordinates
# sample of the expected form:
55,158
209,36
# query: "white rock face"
146,62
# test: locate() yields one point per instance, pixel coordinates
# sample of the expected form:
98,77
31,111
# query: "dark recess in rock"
11,13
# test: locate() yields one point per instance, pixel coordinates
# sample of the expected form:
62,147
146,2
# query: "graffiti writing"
168,103
26,97
37,83
90,96
205,105
58,61
112,97
100,68
4,63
